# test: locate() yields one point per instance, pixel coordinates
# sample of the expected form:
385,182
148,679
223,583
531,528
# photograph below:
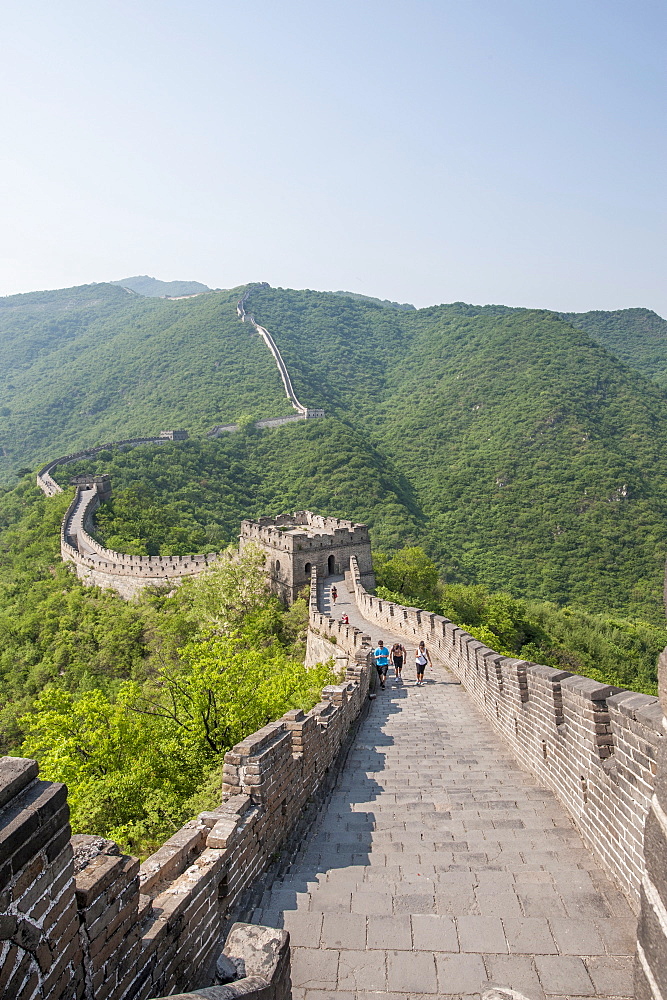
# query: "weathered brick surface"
651,961
593,744
39,947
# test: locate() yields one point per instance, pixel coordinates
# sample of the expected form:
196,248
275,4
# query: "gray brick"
304,928
529,936
413,903
585,904
411,972
576,937
372,902
481,934
516,972
612,976
389,932
362,970
618,938
313,968
343,930
499,903
563,974
460,974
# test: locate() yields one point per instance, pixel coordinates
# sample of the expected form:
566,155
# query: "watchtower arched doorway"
331,565
308,569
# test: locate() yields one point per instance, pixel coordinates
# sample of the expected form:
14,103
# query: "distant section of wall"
269,422
307,412
102,567
50,487
594,745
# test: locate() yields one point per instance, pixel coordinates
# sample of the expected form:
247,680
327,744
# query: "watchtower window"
331,564
307,568
277,565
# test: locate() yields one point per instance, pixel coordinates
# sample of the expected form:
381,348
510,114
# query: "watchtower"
102,484
294,543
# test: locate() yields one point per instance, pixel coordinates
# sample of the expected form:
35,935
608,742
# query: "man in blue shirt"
381,655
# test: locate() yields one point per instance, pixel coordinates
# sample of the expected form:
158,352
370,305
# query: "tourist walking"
397,658
422,657
381,656
334,594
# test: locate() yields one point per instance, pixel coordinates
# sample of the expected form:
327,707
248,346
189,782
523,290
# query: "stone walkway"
439,864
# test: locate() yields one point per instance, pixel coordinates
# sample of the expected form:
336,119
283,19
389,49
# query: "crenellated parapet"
50,487
594,745
651,962
102,567
298,542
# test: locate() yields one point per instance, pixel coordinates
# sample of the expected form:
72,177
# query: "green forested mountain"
536,457
84,365
514,447
636,336
526,459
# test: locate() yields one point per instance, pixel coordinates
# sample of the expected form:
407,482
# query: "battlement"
174,435
102,567
295,543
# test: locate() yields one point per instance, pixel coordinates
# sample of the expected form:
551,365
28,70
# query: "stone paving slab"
438,865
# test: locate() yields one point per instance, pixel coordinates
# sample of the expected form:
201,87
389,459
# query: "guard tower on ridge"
294,543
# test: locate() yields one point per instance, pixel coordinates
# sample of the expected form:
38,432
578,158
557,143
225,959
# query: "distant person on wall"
397,658
334,595
381,656
422,657
345,620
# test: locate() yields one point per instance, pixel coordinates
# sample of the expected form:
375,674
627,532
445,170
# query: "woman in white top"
422,657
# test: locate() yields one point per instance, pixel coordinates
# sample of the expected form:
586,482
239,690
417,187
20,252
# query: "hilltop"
142,284
636,336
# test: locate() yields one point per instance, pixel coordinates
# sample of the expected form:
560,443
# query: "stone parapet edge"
594,745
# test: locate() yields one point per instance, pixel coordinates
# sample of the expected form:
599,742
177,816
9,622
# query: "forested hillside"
636,336
514,447
84,365
133,704
537,458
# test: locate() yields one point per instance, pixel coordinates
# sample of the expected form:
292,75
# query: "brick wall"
127,574
651,965
40,949
594,745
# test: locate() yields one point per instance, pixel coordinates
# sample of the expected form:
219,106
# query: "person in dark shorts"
422,657
397,658
334,594
381,656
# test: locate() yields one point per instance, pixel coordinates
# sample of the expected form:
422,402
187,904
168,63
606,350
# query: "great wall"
129,574
531,853
80,920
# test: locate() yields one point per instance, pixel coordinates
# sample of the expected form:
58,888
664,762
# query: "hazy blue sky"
507,151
